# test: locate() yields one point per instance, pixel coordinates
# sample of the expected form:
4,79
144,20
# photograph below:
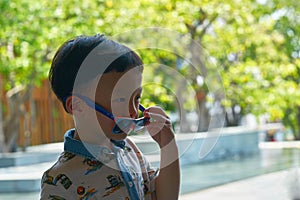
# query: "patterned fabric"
84,171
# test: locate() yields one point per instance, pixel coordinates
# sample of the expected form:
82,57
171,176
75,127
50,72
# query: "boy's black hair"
70,56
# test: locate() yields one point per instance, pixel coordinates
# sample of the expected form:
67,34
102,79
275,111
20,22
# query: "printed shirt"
86,171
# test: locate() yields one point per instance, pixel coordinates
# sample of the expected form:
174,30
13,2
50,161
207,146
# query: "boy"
99,82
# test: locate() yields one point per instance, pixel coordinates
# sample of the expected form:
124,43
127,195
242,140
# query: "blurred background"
239,67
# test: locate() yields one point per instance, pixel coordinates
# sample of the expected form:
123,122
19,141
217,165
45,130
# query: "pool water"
204,175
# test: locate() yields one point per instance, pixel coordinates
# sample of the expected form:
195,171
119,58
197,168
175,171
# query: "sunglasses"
122,124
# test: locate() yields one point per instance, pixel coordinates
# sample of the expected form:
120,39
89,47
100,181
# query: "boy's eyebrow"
121,99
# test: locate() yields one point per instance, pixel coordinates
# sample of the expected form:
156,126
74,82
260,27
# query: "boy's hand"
167,183
159,126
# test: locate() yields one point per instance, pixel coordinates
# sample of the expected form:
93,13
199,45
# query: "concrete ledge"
22,178
213,147
21,159
32,155
208,146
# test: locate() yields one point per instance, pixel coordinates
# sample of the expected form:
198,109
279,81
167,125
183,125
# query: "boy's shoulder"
68,162
71,168
64,163
72,175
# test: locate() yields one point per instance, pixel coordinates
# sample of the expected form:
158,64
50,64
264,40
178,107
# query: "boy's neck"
95,141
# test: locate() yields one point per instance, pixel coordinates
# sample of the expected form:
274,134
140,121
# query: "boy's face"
119,93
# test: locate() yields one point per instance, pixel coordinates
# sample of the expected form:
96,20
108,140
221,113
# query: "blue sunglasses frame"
141,122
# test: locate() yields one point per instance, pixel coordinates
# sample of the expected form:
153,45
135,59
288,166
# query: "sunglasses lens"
123,125
116,129
127,125
140,124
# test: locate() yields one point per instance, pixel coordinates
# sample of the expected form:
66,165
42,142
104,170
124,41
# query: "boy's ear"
73,104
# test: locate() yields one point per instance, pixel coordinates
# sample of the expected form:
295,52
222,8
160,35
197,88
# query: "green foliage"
255,45
260,66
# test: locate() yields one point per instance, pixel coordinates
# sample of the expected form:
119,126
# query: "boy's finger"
157,110
160,124
157,117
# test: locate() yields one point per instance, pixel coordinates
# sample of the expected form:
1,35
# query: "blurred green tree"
254,45
30,34
258,51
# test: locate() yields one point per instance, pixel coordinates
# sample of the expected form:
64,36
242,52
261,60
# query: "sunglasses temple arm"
141,108
95,106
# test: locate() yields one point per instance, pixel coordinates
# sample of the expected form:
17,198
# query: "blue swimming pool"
209,174
201,176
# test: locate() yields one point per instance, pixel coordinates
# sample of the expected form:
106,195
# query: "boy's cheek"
103,124
120,109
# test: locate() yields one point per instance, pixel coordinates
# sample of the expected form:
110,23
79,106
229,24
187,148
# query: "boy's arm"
168,181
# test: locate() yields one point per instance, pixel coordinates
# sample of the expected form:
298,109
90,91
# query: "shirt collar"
91,151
